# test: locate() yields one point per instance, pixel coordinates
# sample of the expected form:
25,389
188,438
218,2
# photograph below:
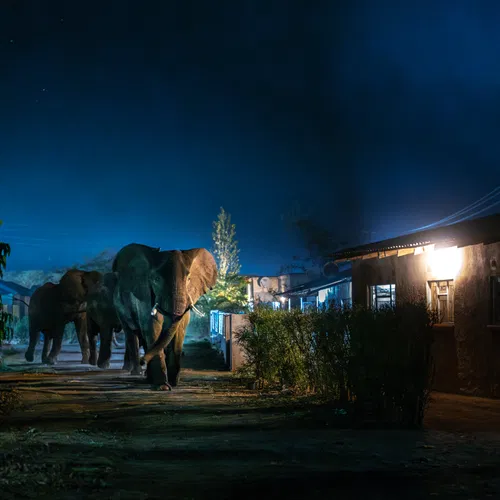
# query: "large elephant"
155,292
53,306
102,319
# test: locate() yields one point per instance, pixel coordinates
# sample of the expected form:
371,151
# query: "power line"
490,196
479,212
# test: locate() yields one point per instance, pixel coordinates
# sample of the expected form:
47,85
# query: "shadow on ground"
81,432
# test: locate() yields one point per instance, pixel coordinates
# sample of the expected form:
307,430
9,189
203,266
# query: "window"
442,295
382,296
336,295
495,300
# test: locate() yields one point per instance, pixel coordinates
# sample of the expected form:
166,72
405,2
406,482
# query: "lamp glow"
445,263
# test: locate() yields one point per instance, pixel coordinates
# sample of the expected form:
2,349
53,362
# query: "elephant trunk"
166,335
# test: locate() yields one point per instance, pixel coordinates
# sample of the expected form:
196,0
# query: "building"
456,270
324,291
15,298
268,289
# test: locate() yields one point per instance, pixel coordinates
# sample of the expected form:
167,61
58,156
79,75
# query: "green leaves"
225,246
5,318
374,359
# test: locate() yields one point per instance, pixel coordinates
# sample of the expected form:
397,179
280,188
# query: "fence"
222,336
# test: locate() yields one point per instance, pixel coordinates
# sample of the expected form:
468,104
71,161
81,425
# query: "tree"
225,246
230,291
5,318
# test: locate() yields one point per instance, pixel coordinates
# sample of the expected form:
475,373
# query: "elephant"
154,295
102,319
52,306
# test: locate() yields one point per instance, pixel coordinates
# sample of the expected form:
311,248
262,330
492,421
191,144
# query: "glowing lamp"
445,263
283,299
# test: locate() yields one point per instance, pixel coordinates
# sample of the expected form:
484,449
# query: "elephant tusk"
198,312
154,310
194,308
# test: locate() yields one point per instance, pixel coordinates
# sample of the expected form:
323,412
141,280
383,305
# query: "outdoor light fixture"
445,263
283,299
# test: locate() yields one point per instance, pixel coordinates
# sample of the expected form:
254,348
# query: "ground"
85,433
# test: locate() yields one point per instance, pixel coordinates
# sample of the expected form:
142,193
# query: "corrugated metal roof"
470,232
9,287
319,284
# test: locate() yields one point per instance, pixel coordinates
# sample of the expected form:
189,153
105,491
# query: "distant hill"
35,277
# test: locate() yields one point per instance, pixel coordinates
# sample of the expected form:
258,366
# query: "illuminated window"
495,300
337,295
442,295
382,296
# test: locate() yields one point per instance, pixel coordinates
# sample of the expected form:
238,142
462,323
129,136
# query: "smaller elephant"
102,319
53,306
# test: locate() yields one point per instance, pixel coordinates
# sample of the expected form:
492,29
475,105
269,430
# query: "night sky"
134,121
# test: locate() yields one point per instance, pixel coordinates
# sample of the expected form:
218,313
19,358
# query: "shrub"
377,360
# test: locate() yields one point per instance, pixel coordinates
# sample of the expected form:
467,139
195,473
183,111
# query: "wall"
14,307
466,353
223,336
477,345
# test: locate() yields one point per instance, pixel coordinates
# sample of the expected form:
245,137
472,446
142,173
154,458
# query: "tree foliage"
230,291
5,318
225,245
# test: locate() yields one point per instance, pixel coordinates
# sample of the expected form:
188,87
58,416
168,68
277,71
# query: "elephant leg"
83,338
175,352
92,332
34,337
56,347
105,347
156,370
93,350
131,359
47,341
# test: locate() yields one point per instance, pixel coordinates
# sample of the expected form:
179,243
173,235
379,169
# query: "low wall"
223,330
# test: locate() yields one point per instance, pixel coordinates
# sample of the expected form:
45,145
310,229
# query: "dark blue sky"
127,121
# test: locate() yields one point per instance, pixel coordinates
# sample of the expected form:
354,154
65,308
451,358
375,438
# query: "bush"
379,361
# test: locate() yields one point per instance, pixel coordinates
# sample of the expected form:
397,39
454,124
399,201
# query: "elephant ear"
91,279
75,284
202,272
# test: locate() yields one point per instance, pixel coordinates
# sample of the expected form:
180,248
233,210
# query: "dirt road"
86,433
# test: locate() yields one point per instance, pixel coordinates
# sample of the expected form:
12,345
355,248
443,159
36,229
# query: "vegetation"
230,291
377,364
5,318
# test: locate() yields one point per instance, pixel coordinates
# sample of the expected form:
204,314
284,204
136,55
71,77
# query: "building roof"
319,284
9,287
470,232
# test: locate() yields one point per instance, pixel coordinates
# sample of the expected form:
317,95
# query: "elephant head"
177,280
74,287
180,279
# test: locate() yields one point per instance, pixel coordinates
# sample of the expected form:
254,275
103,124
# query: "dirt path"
85,433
